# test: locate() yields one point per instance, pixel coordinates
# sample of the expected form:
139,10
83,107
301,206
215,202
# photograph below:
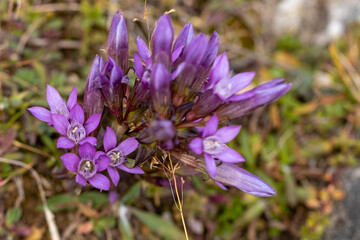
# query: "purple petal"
143,49
211,126
128,145
195,51
118,42
139,69
99,181
226,134
109,139
71,161
92,123
211,51
163,36
229,155
227,87
80,180
220,68
134,170
178,70
114,175
241,97
91,140
41,113
175,54
72,99
56,103
232,175
185,36
221,185
77,114
210,164
87,150
65,143
60,123
103,162
196,145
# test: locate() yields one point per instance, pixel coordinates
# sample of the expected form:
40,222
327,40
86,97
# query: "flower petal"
91,140
56,103
196,145
134,170
87,150
185,36
41,113
228,133
92,123
232,175
139,69
114,175
103,162
71,161
77,114
211,126
80,180
72,99
128,145
60,123
99,181
210,164
221,185
143,49
65,143
220,69
229,155
109,139
176,53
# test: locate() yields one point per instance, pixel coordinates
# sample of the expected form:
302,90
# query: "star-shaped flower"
212,144
118,155
88,166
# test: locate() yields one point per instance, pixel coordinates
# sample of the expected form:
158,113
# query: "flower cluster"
169,111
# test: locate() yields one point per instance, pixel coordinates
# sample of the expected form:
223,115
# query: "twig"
48,214
31,149
180,201
26,36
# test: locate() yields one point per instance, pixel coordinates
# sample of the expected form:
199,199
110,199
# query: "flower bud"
118,44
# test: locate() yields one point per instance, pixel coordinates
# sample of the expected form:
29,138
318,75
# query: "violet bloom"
118,155
232,175
88,166
212,144
118,43
75,131
57,105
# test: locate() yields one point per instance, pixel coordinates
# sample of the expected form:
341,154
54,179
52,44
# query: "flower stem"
178,199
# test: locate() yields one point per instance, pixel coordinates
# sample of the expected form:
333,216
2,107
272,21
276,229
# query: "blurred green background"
306,145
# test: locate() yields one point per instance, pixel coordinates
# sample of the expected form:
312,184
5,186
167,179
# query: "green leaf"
132,194
13,215
60,202
98,199
160,226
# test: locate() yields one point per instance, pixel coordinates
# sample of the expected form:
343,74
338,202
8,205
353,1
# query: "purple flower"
88,166
75,131
57,105
162,41
232,175
93,101
111,78
118,155
118,43
212,144
242,104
